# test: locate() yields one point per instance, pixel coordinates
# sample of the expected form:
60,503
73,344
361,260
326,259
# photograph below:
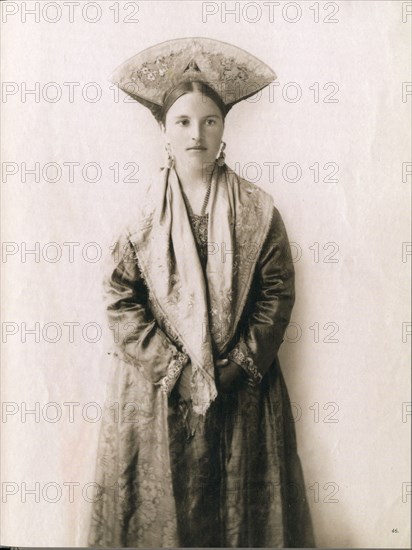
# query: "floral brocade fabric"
237,482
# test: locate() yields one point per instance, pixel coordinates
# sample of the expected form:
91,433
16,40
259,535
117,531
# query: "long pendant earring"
170,161
221,158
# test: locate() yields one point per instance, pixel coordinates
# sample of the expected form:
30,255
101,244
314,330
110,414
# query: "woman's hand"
229,375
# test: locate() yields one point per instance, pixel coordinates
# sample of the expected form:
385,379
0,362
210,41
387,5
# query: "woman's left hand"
229,375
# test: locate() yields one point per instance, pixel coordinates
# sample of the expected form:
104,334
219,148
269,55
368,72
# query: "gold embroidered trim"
246,363
174,369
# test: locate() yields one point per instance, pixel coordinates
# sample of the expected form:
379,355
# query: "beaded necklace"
199,224
205,201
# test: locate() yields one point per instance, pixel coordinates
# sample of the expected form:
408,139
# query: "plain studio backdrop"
329,141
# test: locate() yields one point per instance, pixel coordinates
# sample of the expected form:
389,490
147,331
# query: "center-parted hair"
187,87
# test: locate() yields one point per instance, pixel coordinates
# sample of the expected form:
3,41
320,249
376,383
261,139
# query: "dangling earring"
170,161
221,158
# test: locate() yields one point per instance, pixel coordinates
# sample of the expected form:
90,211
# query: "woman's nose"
196,132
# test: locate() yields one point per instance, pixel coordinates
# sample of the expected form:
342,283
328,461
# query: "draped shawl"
201,314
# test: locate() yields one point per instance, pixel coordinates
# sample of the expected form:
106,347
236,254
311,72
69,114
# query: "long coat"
237,482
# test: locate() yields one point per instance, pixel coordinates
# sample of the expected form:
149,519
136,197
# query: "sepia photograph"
206,271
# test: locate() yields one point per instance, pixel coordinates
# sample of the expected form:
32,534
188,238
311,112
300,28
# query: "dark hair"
185,87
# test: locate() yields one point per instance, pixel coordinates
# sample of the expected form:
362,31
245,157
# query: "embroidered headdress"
233,73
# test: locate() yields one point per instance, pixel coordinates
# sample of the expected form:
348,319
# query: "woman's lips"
196,148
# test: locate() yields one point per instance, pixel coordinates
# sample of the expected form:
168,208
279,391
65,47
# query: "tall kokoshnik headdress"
233,73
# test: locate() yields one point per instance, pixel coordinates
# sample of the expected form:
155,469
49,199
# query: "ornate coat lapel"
253,209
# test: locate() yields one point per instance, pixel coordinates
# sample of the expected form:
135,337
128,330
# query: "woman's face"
194,130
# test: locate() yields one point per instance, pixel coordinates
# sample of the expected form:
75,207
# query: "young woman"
201,290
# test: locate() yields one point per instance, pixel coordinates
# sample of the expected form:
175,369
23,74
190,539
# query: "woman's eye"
210,121
183,122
